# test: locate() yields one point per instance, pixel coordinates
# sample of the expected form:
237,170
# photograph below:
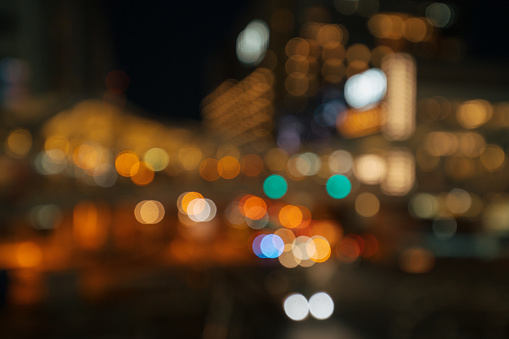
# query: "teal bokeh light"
338,186
275,186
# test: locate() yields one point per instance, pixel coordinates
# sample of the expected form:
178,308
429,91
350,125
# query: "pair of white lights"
297,307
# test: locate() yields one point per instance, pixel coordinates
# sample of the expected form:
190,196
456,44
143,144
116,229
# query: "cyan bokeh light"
275,186
338,186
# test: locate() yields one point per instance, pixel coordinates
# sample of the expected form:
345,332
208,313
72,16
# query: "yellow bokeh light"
460,144
367,205
380,25
18,143
127,163
297,46
397,22
416,29
290,216
492,157
144,175
149,212
329,35
158,158
228,167
208,169
474,113
319,249
458,201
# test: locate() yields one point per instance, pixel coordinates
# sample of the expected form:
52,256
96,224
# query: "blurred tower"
401,96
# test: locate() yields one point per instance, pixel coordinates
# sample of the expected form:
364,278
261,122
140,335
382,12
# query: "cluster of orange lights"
317,243
285,215
242,111
321,54
128,164
252,207
396,26
304,241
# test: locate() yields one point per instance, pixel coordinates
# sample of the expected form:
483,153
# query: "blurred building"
320,54
348,156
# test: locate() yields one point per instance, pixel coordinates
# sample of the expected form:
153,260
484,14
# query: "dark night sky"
164,47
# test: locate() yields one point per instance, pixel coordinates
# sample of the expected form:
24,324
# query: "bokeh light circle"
256,245
296,307
318,249
338,186
275,186
149,212
254,208
321,306
185,198
272,246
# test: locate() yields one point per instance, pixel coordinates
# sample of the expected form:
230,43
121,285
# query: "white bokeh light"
440,14
252,42
321,306
370,169
201,210
296,307
366,88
